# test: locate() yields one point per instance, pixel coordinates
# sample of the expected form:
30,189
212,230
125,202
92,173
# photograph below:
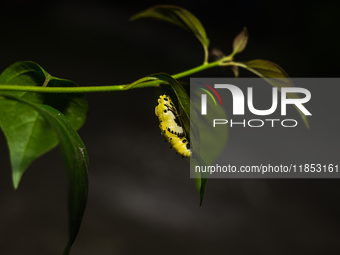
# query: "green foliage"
27,134
182,97
75,160
39,111
240,42
274,75
207,142
179,17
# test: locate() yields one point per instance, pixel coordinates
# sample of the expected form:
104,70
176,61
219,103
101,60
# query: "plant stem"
206,55
147,84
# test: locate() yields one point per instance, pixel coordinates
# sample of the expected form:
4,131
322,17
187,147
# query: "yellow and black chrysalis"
171,127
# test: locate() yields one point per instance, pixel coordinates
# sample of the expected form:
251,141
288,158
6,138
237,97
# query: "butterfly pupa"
170,125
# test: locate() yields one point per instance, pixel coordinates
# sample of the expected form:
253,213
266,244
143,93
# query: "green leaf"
236,71
274,75
182,96
240,42
204,180
75,160
211,142
180,17
267,69
139,81
217,54
28,136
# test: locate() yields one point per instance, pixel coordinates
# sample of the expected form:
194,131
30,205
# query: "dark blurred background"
141,198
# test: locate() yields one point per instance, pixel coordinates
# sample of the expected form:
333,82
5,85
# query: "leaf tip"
235,70
240,41
16,180
134,17
305,121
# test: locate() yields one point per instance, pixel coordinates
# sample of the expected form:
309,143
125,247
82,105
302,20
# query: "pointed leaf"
178,16
210,149
28,136
240,42
267,69
75,160
278,77
204,180
236,71
216,53
182,96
